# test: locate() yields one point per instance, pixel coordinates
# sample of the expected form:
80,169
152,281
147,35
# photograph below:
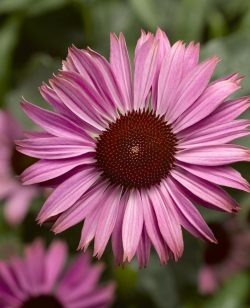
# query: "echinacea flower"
129,156
228,257
17,198
38,280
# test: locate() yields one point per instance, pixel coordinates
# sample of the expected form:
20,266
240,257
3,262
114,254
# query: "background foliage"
34,37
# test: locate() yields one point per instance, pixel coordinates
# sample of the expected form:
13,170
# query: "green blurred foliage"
34,37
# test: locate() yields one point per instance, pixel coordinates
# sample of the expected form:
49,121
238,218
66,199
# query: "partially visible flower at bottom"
228,257
38,280
17,198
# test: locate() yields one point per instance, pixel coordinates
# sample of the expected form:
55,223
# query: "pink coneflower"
128,156
38,280
17,197
228,257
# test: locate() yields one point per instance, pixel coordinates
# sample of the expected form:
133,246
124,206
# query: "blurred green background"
34,37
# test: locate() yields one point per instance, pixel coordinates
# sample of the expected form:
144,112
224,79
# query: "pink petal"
168,221
51,97
170,77
35,261
66,194
91,97
207,281
189,216
45,170
53,123
113,90
191,87
117,246
75,100
191,58
81,208
132,224
89,228
120,65
206,191
152,228
18,203
163,48
221,175
211,98
226,112
215,155
54,262
107,219
143,250
217,134
54,147
145,68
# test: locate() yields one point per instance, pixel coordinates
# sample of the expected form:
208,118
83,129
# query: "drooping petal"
66,194
53,123
132,225
107,219
81,208
89,228
45,170
189,216
220,175
152,228
143,250
206,191
168,221
117,245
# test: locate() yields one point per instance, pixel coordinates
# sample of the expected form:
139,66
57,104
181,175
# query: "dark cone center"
42,301
136,151
218,253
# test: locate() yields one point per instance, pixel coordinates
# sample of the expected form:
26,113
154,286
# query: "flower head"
228,257
37,280
17,197
129,156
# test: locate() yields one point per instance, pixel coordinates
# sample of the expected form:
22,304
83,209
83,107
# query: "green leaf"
31,7
43,6
234,51
233,294
159,282
191,19
39,69
8,6
9,34
146,11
